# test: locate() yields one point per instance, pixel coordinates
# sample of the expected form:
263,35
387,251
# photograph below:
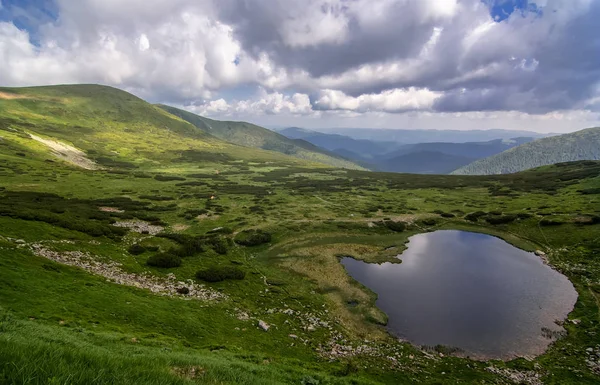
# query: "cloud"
311,56
264,103
396,100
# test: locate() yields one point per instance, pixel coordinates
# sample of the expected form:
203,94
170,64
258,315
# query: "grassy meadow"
79,303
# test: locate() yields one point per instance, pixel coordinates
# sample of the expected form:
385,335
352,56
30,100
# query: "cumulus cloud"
264,103
396,100
310,56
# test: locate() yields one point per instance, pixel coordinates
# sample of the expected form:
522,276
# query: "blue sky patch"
29,15
502,9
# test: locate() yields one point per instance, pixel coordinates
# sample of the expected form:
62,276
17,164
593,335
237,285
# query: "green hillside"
580,145
112,128
137,249
251,135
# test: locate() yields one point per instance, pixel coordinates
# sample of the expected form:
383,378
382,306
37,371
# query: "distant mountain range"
424,136
580,145
421,158
251,135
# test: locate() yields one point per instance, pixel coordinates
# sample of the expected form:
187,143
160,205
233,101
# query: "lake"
469,291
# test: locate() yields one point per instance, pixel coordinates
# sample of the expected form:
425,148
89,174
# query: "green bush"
395,226
253,237
165,260
474,217
447,215
500,219
551,222
429,222
167,178
136,249
220,273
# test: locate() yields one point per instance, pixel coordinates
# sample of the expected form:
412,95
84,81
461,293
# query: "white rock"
263,325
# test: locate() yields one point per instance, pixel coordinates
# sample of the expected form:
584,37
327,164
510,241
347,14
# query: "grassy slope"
251,135
109,125
580,145
82,329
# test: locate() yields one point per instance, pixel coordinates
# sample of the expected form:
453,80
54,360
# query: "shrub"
447,215
395,226
500,219
252,237
183,290
219,245
429,222
167,178
220,273
551,222
136,249
474,217
165,260
524,215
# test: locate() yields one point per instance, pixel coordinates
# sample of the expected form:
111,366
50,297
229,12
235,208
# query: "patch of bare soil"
9,96
180,227
110,210
68,153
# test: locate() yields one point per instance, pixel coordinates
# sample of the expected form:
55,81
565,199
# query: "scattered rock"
293,336
111,271
529,377
539,253
68,153
140,227
263,325
575,321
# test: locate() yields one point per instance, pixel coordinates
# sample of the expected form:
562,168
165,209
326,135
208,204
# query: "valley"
137,246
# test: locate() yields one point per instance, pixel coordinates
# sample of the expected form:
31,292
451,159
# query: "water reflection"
470,291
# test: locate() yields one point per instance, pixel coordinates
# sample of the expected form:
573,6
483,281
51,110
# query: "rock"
293,336
183,290
575,321
589,350
263,325
539,253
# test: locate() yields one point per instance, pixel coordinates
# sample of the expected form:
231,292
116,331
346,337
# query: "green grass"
63,325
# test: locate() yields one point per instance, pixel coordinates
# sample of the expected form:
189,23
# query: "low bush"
551,222
136,249
167,178
395,226
165,260
429,222
474,217
447,215
220,273
253,237
500,219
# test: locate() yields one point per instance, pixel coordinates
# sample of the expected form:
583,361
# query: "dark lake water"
469,291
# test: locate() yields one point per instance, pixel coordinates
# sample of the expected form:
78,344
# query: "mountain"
365,149
425,158
424,162
251,135
473,150
406,136
580,145
79,124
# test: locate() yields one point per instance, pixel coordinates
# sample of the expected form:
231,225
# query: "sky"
412,64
